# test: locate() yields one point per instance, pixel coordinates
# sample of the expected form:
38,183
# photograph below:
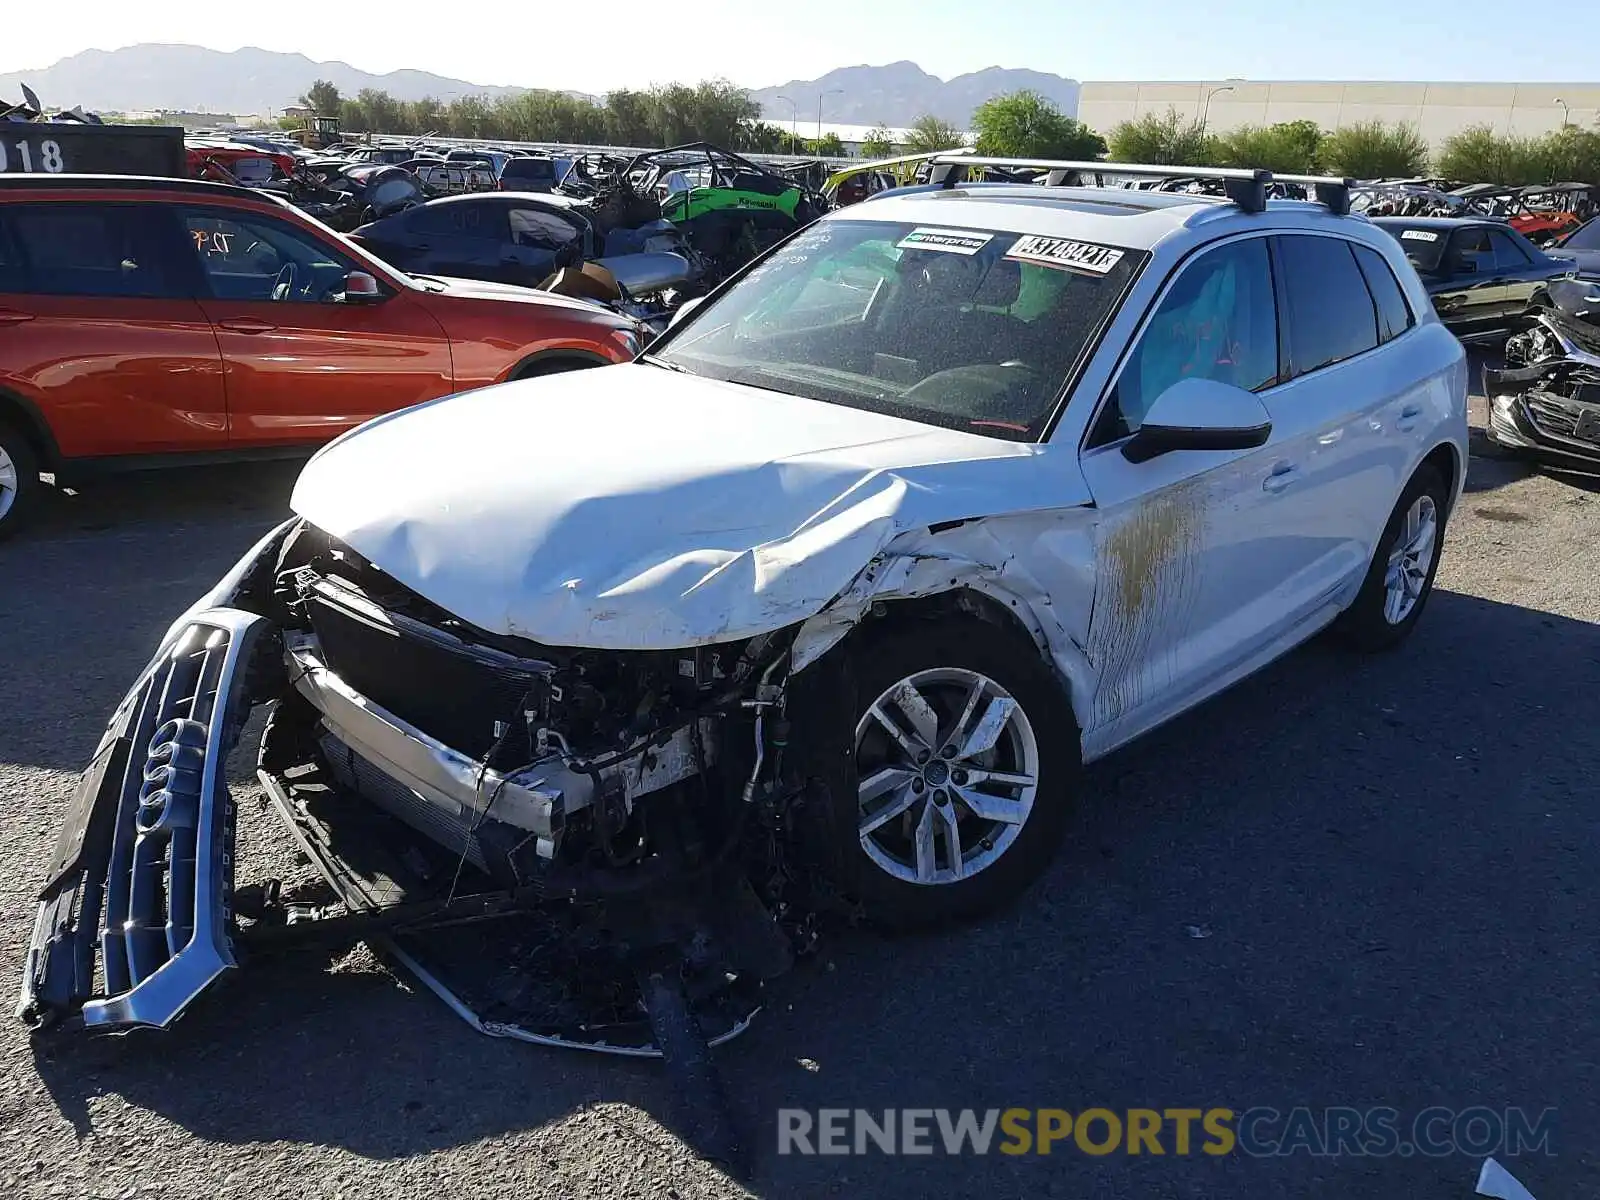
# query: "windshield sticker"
951,241
1065,255
1418,235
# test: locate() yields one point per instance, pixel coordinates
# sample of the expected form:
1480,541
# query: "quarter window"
473,220
1328,310
1394,314
540,229
1217,321
1508,256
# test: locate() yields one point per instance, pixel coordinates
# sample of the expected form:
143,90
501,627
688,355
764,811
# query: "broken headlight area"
568,846
1547,399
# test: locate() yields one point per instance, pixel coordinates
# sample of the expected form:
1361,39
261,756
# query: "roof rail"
1246,187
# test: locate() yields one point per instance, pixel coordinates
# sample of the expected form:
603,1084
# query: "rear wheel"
19,479
1400,578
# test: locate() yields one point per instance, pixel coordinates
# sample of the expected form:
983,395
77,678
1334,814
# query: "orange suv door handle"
247,325
10,316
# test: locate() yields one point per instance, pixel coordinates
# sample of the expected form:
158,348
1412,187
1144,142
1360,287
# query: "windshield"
1424,245
968,329
1585,237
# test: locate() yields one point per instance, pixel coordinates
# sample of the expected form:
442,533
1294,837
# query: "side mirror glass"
1200,414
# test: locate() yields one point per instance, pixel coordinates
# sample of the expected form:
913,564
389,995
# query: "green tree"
829,145
1289,147
1163,138
1572,154
1373,150
1480,155
762,137
928,133
877,143
323,99
1026,125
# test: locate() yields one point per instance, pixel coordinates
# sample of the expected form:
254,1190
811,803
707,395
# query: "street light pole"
1205,112
794,124
1566,113
829,92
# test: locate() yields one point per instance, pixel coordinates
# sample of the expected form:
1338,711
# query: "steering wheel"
283,285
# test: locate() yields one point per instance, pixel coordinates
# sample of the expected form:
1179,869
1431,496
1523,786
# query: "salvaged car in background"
1485,279
226,323
589,692
1545,403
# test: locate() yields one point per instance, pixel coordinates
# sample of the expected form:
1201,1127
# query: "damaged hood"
632,507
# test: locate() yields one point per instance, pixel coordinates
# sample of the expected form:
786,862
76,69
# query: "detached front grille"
1551,416
150,883
142,877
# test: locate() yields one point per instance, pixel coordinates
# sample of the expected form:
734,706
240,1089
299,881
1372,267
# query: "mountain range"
195,79
897,94
251,81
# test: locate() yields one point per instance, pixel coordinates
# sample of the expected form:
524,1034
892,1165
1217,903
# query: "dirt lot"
1344,883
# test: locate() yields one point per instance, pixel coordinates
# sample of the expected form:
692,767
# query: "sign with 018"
31,154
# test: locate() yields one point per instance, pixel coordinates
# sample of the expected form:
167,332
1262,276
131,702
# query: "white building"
1436,109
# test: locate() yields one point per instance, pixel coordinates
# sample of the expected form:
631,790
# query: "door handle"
1280,477
246,325
10,316
1408,418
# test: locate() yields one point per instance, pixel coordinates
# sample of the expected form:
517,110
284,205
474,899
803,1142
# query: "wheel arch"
18,411
974,599
1446,459
561,357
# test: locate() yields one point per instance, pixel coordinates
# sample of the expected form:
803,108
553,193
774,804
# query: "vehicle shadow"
1313,890
188,494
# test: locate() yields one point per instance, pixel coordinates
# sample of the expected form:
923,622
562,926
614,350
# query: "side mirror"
360,288
684,309
1200,414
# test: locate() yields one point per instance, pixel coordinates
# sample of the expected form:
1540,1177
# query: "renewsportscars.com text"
1258,1132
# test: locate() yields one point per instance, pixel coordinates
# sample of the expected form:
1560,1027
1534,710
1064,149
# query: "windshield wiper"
661,362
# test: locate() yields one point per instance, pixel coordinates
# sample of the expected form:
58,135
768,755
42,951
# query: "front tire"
961,761
19,479
1400,578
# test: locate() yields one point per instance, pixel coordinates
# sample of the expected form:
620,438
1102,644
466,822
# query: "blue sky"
760,42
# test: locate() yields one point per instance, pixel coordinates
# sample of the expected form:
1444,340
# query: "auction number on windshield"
25,156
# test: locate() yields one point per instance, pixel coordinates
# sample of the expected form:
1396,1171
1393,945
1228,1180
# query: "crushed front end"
547,837
1547,399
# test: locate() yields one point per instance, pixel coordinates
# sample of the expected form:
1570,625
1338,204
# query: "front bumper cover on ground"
135,919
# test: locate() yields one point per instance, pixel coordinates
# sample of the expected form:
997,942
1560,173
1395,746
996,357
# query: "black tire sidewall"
1363,623
866,666
26,461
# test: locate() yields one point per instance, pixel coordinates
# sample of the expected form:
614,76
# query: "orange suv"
147,322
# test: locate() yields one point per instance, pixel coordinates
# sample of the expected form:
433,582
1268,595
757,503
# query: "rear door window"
541,229
1508,256
88,249
13,278
1394,314
1326,306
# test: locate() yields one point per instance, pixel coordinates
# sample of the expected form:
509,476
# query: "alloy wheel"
1410,560
948,766
8,482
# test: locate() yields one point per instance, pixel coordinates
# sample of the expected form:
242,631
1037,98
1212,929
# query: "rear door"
100,328
301,365
1341,417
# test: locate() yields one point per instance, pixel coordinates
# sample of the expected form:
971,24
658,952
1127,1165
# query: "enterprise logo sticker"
1065,255
951,241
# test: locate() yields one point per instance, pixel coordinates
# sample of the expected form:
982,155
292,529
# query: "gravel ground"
1343,883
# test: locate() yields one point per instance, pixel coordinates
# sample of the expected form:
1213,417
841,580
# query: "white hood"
631,507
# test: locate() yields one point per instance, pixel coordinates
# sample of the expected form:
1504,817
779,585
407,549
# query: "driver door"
298,365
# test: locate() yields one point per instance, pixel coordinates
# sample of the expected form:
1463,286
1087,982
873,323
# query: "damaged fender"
1039,566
